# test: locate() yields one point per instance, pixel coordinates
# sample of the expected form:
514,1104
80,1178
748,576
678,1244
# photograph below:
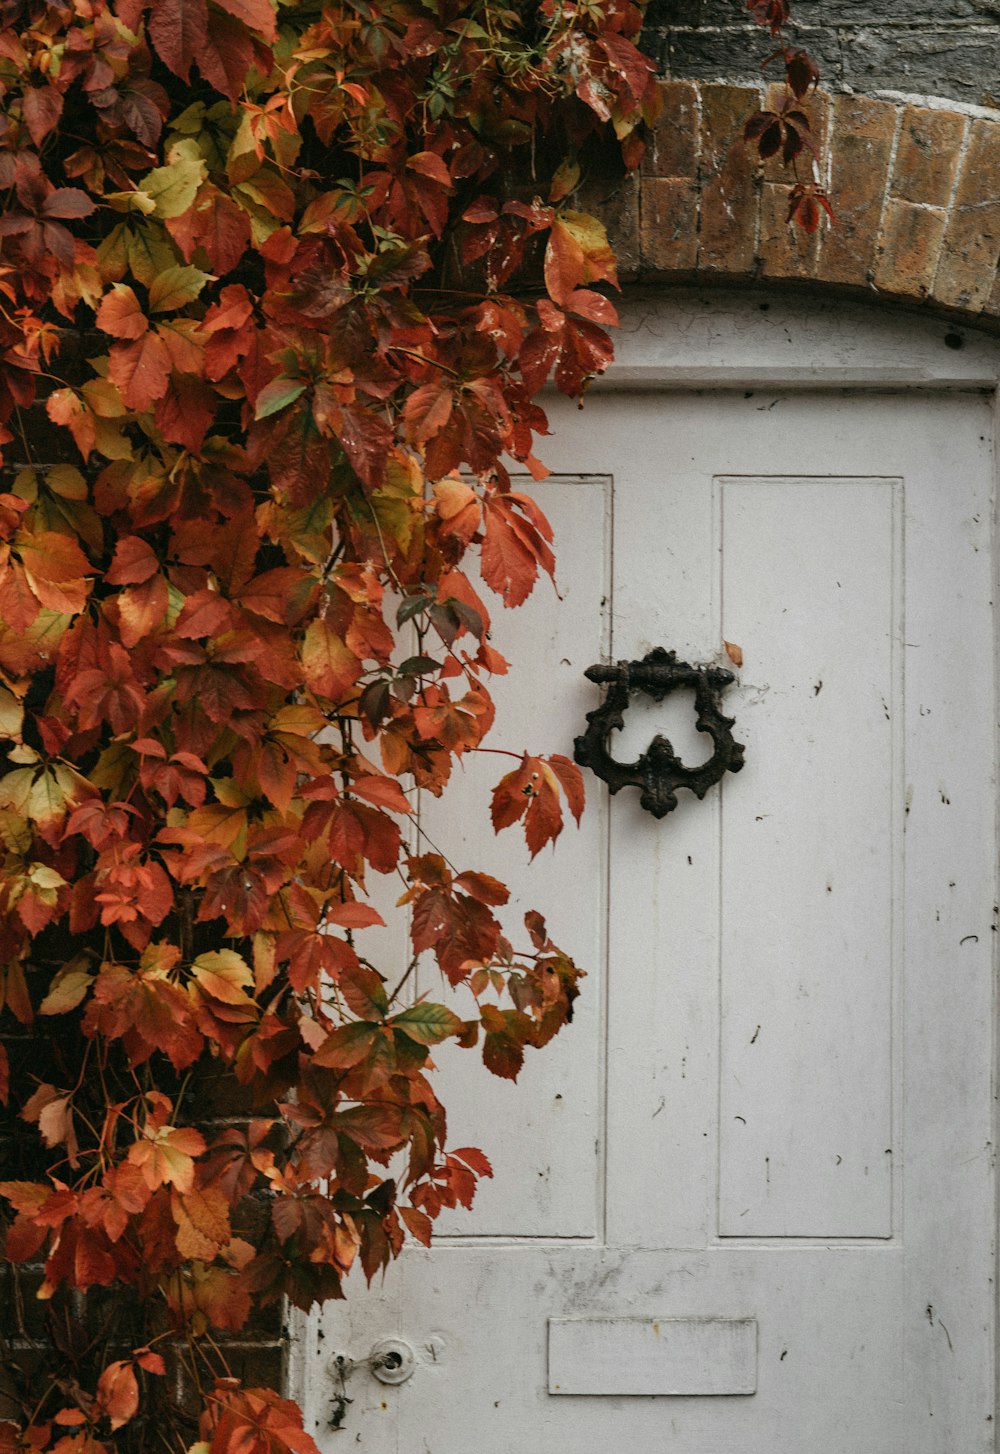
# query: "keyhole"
673,718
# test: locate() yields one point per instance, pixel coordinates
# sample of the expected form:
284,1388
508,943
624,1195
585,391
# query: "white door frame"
691,339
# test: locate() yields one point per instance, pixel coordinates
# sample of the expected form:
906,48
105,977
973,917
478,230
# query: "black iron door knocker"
659,772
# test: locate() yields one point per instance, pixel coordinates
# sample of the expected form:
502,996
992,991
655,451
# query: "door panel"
811,853
768,1133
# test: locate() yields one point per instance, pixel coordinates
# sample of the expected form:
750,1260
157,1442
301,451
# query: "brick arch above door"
915,187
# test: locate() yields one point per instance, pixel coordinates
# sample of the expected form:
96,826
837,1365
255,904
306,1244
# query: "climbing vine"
279,288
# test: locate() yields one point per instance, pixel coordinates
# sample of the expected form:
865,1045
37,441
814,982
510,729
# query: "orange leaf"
202,1218
429,164
52,557
121,315
564,263
329,666
140,370
118,1393
384,792
167,1157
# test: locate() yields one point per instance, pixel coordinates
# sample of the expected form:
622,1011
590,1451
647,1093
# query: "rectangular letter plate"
643,1356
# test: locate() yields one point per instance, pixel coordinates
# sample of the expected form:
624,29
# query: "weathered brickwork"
948,49
915,189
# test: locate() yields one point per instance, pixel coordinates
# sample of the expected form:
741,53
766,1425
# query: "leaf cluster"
262,274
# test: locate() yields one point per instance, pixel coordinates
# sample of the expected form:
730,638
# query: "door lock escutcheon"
659,772
392,1360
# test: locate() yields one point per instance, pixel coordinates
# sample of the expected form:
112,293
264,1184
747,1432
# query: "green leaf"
418,666
150,252
427,1024
175,287
277,395
411,607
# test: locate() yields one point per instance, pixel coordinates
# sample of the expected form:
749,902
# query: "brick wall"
915,189
950,48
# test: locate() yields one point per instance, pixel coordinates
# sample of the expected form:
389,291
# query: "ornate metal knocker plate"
659,771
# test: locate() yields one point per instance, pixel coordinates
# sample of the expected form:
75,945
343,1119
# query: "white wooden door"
746,1201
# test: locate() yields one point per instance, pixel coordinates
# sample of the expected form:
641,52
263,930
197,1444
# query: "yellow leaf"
224,975
66,482
173,188
11,715
68,987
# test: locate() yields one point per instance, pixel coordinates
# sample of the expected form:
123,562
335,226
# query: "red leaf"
513,548
427,411
151,1362
593,306
353,915
42,109
483,887
474,1159
178,30
186,411
571,781
133,562
366,440
142,610
418,1224
227,54
217,224
258,14
141,371
531,792
67,202
19,606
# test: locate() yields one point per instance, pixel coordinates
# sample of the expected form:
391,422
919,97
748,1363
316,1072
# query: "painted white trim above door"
688,339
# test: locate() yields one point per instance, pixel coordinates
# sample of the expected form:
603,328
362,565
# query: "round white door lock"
392,1361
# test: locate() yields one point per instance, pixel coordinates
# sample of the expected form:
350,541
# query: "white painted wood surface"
643,1357
777,1104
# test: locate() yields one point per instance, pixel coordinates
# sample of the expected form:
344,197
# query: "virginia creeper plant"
280,285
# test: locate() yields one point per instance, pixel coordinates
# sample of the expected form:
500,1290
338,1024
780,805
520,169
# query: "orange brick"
968,265
862,135
729,192
992,306
672,148
909,248
980,179
668,226
785,250
930,143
